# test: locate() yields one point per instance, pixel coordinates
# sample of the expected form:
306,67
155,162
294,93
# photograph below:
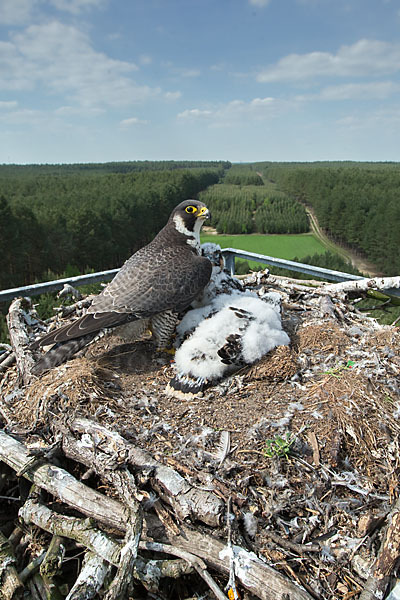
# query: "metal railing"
229,254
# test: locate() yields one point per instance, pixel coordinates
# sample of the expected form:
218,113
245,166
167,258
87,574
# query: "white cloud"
125,123
259,3
189,72
8,104
15,12
61,59
78,111
181,71
172,95
379,90
19,12
195,113
365,57
75,7
23,116
236,111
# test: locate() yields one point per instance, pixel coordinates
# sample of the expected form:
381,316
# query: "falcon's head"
188,218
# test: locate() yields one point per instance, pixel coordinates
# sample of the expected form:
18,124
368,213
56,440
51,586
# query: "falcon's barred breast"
166,275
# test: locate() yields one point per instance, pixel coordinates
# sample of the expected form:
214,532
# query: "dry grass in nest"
327,337
75,387
279,364
389,336
355,422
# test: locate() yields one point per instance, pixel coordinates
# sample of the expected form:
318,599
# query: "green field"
280,246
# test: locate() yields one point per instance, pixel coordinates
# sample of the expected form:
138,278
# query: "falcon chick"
227,328
159,280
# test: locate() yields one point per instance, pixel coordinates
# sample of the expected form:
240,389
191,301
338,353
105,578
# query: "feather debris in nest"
79,386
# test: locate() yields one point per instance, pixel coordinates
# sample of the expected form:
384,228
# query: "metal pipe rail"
229,254
56,285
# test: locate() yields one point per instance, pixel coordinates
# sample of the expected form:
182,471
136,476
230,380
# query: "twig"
7,361
10,583
32,568
61,484
126,489
396,321
90,579
388,555
363,285
16,321
297,548
193,560
254,574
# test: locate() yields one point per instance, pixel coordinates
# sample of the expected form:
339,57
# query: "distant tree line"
109,167
242,175
253,209
84,220
358,204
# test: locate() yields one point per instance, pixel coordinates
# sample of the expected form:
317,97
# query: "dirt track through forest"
362,264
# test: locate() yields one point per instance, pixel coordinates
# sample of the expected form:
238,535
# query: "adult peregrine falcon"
163,277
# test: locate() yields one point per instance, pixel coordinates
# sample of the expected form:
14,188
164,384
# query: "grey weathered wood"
90,579
187,501
10,584
17,327
61,484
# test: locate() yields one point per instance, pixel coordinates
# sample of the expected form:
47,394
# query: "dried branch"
84,532
363,285
17,326
126,488
388,556
187,501
61,484
90,579
10,584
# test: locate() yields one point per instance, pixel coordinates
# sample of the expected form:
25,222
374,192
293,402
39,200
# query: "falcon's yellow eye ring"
190,209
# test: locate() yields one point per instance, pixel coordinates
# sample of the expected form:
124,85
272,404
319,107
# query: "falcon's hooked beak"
204,213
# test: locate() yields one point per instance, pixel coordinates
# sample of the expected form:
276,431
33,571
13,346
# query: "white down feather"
260,332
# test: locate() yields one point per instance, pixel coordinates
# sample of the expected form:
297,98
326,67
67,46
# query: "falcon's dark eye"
190,209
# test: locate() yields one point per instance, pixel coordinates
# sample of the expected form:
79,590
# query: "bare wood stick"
53,558
32,568
231,586
51,566
80,530
196,562
363,285
107,548
90,579
7,362
126,489
254,574
10,584
187,501
61,484
46,588
17,321
388,556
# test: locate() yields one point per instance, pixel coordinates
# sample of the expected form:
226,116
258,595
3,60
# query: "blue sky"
239,80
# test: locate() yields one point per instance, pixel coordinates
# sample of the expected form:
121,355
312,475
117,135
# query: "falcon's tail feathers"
61,352
185,386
